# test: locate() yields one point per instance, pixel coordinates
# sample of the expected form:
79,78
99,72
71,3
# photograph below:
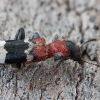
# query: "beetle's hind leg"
20,35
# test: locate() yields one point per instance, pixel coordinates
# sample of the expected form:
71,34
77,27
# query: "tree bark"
75,20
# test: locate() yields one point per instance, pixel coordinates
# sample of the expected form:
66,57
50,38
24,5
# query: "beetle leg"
58,57
36,35
55,38
20,35
38,65
59,62
18,65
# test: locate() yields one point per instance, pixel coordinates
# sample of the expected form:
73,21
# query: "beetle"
35,49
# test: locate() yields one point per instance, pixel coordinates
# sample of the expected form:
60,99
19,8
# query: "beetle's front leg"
58,57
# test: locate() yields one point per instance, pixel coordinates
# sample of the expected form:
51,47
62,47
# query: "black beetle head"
74,51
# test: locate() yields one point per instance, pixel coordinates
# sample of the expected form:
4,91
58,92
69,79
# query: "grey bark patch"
75,24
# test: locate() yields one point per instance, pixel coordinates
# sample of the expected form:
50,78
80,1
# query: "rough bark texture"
75,20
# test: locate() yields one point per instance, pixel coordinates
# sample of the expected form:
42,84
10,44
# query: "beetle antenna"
86,42
90,63
81,51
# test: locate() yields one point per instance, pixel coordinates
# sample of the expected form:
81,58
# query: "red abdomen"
43,51
40,49
58,46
